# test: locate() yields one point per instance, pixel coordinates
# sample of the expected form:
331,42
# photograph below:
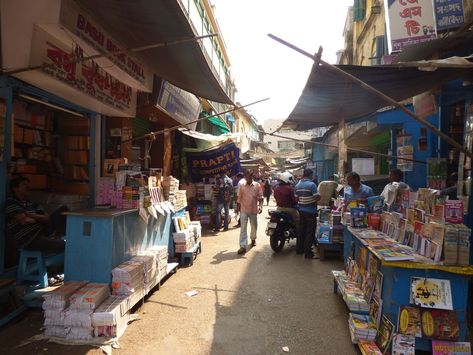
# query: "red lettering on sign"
412,27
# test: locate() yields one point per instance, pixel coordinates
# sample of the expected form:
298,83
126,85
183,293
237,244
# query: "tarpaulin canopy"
146,22
240,139
329,97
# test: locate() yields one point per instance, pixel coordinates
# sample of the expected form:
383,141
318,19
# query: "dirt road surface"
252,304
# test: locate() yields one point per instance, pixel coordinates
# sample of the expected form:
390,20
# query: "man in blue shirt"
356,191
306,192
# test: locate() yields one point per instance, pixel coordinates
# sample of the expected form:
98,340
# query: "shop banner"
448,14
88,30
409,22
181,105
86,77
208,164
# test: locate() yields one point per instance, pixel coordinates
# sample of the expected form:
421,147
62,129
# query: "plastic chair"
32,268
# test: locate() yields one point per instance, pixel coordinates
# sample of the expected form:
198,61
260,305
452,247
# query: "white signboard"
87,77
409,22
363,166
86,29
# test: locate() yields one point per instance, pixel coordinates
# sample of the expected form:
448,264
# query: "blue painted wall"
418,177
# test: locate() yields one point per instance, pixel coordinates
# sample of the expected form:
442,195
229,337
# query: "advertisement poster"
448,14
208,164
409,22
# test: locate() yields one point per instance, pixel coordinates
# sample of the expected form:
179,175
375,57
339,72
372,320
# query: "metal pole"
166,130
379,94
107,55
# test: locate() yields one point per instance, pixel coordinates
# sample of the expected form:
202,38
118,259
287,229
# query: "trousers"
306,235
218,218
253,218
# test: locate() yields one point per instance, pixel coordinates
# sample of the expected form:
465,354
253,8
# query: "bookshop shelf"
396,282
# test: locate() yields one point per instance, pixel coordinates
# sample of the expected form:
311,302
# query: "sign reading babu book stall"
208,164
54,39
409,22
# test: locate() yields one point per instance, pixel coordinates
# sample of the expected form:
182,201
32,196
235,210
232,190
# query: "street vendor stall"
408,274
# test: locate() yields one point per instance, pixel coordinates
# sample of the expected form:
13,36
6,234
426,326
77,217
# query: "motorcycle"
280,228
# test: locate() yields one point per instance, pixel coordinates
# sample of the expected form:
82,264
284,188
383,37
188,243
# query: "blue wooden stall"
396,285
99,240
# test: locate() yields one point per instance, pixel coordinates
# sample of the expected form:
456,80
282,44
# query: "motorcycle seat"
280,214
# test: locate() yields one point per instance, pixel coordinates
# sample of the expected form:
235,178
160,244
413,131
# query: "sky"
262,67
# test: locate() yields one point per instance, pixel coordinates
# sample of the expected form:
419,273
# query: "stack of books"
361,328
352,294
457,244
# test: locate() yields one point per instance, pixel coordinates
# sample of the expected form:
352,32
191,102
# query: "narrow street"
252,304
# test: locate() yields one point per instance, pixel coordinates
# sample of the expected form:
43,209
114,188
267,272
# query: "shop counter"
98,240
396,284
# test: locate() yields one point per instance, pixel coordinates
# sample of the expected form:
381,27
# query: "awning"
146,22
217,121
329,97
209,140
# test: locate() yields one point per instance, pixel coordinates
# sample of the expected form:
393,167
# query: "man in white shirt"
250,200
395,182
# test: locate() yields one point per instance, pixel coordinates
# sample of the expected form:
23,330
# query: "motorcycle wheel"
276,242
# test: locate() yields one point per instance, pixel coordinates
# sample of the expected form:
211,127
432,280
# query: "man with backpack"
224,191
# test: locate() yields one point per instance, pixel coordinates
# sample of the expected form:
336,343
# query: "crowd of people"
29,226
298,197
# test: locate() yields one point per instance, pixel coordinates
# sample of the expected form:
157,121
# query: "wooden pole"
379,94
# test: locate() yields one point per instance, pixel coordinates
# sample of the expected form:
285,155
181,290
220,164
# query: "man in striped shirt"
306,192
28,225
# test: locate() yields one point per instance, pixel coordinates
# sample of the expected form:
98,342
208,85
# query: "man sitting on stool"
28,225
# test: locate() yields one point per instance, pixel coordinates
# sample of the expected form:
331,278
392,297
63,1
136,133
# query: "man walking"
250,199
224,190
306,192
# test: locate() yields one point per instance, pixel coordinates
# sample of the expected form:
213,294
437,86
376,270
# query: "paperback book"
376,308
440,324
454,211
385,335
403,344
375,204
378,287
409,321
369,348
440,347
431,293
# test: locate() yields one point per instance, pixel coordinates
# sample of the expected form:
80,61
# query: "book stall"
124,247
406,273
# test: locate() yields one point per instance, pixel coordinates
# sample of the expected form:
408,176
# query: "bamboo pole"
107,55
379,94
